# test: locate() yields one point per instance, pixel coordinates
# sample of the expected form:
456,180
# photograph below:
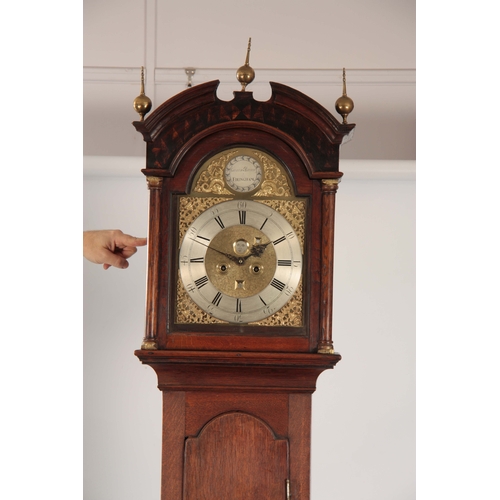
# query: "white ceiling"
304,44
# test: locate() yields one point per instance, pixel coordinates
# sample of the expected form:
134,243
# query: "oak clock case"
240,284
240,259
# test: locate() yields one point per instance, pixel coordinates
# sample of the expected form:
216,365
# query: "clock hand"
228,255
257,250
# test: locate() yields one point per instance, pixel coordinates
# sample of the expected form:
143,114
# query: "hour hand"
258,250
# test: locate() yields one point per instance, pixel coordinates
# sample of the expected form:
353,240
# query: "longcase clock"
240,286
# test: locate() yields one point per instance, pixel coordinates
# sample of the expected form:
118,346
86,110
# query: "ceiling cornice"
166,76
130,166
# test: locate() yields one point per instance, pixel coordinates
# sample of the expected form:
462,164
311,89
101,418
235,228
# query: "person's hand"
110,247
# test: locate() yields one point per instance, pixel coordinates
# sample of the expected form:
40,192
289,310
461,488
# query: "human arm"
110,247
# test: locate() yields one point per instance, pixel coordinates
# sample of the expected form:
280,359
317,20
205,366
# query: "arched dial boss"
243,174
240,261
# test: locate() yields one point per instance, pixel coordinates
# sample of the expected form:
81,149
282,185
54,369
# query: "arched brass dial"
240,261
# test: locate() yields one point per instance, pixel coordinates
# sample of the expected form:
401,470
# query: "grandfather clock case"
240,286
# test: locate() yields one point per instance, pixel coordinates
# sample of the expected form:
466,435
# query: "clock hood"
197,110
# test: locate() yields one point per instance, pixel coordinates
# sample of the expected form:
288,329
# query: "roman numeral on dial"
243,216
217,299
219,221
278,284
201,282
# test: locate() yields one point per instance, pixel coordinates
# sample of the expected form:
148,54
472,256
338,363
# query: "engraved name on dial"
243,174
240,261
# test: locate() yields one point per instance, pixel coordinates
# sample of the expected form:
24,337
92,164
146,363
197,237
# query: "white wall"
301,44
363,444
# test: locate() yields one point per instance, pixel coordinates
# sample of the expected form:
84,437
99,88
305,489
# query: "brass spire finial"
245,73
344,104
142,103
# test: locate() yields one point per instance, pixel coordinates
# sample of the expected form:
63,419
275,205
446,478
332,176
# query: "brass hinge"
288,494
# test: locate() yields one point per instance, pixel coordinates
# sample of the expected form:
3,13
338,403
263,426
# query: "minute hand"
228,255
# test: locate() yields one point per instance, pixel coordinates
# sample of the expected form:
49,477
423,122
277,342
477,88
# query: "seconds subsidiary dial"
240,261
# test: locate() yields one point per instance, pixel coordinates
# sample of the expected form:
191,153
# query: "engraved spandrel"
211,178
275,182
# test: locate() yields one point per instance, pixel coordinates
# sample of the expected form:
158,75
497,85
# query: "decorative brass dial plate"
240,261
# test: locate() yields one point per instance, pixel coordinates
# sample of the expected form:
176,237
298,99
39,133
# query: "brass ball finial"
245,73
344,104
142,103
